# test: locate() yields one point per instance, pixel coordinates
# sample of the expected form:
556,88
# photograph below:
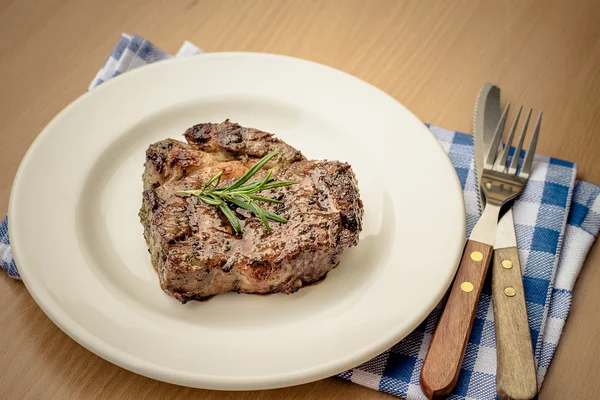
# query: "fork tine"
515,160
526,170
493,150
500,164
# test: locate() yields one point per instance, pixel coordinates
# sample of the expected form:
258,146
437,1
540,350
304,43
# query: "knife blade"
515,372
485,119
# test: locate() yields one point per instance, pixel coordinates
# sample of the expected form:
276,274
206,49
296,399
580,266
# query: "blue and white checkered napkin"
556,219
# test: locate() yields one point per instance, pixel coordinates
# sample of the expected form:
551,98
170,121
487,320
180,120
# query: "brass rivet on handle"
466,287
507,264
510,292
476,256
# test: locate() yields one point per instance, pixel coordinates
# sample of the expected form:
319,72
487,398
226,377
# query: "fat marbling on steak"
193,246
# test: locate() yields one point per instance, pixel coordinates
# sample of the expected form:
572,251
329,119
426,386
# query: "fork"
515,373
500,184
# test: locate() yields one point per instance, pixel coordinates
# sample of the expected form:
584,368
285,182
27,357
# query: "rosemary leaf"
249,187
256,185
246,206
240,203
278,184
267,179
216,177
233,220
252,171
275,217
258,211
210,200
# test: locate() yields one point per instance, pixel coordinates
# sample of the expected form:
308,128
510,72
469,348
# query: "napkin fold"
556,221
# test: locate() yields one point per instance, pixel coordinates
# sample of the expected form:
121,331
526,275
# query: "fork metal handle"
516,374
447,349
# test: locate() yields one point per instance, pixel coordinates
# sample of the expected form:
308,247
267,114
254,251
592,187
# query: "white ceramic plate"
78,241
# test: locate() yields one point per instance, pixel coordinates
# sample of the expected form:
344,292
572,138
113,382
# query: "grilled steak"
193,246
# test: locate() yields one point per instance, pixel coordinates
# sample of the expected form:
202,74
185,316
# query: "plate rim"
115,355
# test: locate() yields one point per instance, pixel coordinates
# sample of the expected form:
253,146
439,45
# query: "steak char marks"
193,246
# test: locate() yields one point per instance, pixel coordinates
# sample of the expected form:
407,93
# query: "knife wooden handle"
516,374
447,349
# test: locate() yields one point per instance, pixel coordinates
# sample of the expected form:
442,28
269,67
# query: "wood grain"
447,349
516,374
431,55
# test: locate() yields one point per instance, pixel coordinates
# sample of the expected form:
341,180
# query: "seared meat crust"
194,248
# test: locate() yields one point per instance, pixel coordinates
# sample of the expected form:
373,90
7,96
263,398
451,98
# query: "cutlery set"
492,240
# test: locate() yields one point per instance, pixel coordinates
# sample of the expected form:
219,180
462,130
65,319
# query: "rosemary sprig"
242,194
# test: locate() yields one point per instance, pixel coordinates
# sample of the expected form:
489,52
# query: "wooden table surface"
430,55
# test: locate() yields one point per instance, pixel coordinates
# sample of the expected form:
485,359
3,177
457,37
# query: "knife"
441,367
515,373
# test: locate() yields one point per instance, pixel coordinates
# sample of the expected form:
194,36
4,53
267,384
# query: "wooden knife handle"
516,374
444,357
